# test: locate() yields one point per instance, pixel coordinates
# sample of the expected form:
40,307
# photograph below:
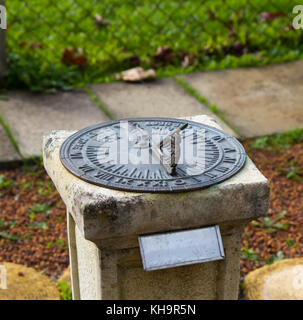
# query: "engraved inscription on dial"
120,155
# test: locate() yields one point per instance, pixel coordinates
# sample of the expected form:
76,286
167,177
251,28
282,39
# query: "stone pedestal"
104,225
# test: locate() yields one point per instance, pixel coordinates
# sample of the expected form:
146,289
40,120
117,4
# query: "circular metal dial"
124,155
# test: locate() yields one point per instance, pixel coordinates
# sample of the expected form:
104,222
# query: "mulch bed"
32,215
34,212
285,195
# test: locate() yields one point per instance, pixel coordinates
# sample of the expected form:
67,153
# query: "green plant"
5,183
96,100
280,140
261,143
42,225
58,242
271,223
44,188
275,258
250,254
12,223
214,36
9,134
290,243
49,245
293,172
65,291
24,185
40,208
8,236
32,216
60,219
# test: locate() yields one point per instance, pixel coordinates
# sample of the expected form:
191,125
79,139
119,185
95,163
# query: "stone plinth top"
102,213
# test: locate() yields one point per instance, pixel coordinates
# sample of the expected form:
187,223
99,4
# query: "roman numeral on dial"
77,155
221,169
229,160
86,168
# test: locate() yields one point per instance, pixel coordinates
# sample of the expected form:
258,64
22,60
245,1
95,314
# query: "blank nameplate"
180,248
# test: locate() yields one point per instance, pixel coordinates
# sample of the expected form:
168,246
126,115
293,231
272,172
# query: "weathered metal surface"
128,155
173,249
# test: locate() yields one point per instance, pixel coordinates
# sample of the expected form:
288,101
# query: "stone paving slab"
160,98
30,115
256,101
8,153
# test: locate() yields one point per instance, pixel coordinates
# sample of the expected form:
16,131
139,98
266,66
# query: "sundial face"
152,155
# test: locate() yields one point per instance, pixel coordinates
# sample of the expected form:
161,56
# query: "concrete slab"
161,98
30,115
256,101
8,154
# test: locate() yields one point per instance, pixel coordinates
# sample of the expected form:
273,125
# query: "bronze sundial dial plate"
130,155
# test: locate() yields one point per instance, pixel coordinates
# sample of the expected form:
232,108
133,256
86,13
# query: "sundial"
152,155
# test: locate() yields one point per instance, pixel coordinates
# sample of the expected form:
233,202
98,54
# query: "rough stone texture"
181,283
282,280
88,263
256,101
27,284
73,258
119,274
113,219
30,115
161,98
8,154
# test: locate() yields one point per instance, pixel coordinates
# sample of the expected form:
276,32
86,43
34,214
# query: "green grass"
279,141
65,291
249,254
4,183
97,101
293,172
8,236
40,208
215,35
41,225
270,224
275,258
9,134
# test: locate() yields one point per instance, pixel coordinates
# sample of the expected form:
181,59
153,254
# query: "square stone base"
117,274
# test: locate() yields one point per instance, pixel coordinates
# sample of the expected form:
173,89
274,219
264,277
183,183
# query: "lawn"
60,44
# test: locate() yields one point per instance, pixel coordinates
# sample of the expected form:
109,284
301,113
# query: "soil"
285,196
39,239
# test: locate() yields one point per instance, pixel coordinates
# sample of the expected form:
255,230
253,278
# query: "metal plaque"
152,155
173,249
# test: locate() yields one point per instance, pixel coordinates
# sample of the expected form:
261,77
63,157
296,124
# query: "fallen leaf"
133,61
31,45
138,74
74,57
100,22
188,59
269,16
185,62
163,54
